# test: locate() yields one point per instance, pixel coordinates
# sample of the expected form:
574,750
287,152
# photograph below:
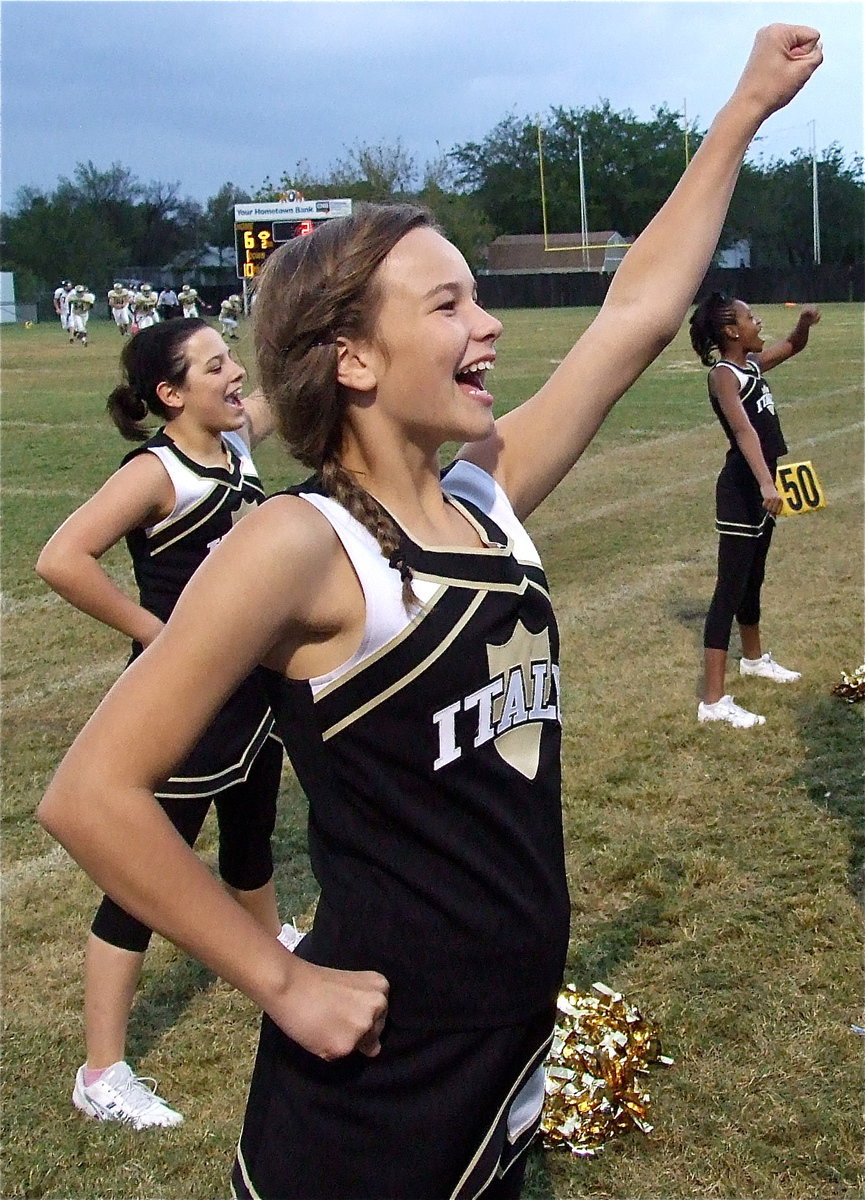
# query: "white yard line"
681,483
95,672
574,608
601,602
43,493
6,424
11,607
666,439
29,870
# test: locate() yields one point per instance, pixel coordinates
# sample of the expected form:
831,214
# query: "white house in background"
208,264
8,311
737,255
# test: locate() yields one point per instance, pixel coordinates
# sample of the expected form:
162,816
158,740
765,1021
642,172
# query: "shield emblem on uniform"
242,509
520,742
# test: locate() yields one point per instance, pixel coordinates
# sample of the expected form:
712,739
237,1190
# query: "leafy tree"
841,193
630,166
772,208
168,225
384,174
378,174
501,173
51,238
98,225
460,215
217,223
113,193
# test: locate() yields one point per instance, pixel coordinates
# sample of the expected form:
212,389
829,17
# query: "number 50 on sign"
800,489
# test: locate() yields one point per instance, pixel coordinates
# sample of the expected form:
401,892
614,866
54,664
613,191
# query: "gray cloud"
208,91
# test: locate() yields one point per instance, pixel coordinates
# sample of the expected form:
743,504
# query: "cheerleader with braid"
726,336
411,653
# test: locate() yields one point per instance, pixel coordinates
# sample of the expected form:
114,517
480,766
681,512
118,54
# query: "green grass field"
714,872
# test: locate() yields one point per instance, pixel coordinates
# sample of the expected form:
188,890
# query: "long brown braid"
313,290
344,488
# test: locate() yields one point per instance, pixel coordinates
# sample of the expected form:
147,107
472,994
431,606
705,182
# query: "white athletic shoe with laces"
766,668
120,1095
726,710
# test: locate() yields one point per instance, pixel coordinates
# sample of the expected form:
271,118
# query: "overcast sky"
204,91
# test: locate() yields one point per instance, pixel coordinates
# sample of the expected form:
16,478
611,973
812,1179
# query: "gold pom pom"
600,1046
852,687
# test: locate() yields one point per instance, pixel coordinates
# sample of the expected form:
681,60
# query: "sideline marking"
42,493
11,424
603,603
11,607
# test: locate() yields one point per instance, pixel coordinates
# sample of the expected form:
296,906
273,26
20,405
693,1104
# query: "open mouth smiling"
473,375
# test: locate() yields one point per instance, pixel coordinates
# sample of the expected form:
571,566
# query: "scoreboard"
259,228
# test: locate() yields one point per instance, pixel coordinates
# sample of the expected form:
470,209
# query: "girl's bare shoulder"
284,543
283,522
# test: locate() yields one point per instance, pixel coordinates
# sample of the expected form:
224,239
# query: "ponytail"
707,324
150,357
127,410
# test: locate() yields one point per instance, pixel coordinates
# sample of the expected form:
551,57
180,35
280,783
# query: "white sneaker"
289,935
767,668
726,710
119,1095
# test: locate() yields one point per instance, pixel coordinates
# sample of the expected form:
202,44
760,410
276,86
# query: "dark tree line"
102,224
772,207
630,166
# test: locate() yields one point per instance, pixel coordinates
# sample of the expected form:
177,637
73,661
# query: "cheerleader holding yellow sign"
726,336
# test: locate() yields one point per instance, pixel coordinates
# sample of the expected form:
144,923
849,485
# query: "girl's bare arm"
534,446
101,807
139,494
796,340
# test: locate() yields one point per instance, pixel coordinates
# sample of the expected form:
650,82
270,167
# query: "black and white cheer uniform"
237,761
744,525
740,511
431,763
209,502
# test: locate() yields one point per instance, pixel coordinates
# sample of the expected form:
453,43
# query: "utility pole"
815,195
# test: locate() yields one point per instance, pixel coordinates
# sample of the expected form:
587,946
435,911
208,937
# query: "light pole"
815,195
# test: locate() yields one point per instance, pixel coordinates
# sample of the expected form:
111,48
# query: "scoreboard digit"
253,242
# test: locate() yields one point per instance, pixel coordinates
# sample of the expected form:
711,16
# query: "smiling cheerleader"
405,622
